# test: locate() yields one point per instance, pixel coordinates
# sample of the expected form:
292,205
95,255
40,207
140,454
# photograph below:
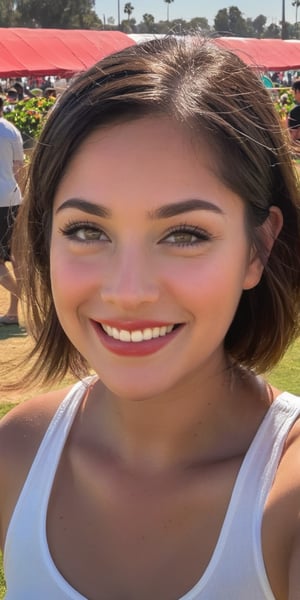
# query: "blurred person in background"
11,163
294,116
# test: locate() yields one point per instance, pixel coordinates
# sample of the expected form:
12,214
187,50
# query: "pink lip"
132,349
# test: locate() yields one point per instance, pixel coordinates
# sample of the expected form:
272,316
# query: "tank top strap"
239,541
44,466
266,449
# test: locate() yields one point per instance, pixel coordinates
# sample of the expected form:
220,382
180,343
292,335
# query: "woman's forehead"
141,166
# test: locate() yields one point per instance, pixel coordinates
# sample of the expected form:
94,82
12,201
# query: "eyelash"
71,230
201,235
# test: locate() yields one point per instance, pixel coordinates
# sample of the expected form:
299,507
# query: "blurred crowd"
17,91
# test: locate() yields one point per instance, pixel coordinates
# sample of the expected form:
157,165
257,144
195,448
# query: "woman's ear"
259,255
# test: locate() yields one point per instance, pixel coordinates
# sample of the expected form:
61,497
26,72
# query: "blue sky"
187,9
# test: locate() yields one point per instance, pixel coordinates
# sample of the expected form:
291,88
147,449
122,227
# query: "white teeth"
138,335
148,334
124,335
115,333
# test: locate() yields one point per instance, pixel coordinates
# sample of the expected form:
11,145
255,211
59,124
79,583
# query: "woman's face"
149,257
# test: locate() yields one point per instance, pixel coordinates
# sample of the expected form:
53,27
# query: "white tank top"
236,570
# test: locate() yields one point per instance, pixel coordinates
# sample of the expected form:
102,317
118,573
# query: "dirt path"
14,345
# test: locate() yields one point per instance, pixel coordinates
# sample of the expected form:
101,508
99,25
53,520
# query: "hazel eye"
186,236
84,233
182,238
90,235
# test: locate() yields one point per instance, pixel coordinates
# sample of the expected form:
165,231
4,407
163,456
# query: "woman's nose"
130,281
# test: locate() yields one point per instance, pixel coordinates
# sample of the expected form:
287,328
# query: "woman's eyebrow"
85,206
163,212
177,208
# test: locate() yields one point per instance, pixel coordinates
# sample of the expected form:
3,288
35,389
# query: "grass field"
286,376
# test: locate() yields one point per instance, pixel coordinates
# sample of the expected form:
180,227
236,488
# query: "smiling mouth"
138,335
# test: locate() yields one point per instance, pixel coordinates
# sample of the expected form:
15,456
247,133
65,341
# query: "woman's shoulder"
30,418
23,427
289,407
21,432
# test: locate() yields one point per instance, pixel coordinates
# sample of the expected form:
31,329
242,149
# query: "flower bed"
28,116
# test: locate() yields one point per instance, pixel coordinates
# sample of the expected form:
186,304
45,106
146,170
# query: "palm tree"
168,8
149,22
128,9
296,3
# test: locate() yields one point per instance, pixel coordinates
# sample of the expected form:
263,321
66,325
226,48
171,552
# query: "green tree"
221,21
249,28
296,3
237,23
178,26
168,2
290,30
66,14
148,24
7,13
198,24
163,27
128,9
110,23
128,26
273,31
231,21
259,24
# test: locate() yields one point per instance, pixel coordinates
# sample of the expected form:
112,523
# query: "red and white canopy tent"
266,54
60,52
63,52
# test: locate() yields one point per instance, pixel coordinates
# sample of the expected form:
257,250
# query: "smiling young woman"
158,248
162,237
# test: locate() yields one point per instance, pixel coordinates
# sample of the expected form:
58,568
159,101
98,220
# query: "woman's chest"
115,537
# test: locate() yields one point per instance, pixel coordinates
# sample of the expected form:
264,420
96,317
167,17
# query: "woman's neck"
197,420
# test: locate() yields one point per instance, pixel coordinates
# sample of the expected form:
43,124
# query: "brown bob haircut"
216,98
